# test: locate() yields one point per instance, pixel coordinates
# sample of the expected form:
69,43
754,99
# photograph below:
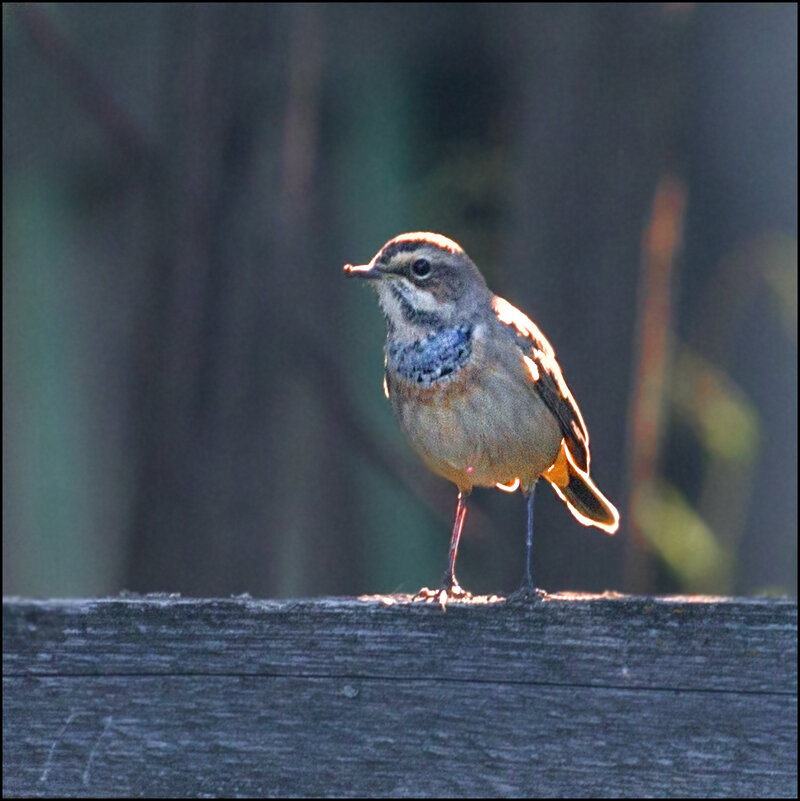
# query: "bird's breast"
474,418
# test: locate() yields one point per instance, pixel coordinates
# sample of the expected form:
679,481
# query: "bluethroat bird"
476,388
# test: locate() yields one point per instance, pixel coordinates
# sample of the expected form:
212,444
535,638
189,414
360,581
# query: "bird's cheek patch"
420,299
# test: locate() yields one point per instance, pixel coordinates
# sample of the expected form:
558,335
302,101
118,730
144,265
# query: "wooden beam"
575,695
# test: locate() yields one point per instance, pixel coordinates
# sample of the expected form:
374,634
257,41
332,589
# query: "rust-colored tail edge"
583,499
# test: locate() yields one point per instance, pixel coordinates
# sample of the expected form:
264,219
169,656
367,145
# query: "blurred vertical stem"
47,447
402,546
302,496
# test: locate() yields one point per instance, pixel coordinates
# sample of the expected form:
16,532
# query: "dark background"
191,390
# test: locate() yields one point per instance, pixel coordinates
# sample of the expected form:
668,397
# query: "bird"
477,390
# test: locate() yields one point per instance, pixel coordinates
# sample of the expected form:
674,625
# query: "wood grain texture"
574,696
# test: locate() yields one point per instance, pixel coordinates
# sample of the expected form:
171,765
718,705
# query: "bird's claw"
442,595
527,593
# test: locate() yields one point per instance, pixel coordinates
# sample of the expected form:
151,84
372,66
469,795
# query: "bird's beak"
363,270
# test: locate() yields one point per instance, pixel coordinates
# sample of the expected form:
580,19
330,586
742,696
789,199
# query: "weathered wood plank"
600,696
739,645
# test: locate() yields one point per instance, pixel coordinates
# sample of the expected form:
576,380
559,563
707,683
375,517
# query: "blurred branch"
662,242
87,90
301,120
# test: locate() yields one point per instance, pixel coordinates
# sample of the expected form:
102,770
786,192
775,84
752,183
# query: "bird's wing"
545,371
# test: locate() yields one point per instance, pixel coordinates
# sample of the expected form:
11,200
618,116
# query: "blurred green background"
191,390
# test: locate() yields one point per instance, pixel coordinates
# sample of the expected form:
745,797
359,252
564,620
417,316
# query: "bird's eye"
421,268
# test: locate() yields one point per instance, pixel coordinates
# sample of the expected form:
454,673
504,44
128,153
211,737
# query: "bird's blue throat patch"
428,361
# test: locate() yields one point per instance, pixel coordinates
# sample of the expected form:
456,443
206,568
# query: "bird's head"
425,282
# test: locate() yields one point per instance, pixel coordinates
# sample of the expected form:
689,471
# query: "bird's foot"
443,594
527,593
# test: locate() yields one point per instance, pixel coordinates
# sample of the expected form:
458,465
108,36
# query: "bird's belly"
478,428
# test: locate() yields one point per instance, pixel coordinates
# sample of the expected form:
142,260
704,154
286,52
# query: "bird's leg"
527,590
450,587
450,582
527,580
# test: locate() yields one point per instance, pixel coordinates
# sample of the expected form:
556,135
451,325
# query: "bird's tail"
574,486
